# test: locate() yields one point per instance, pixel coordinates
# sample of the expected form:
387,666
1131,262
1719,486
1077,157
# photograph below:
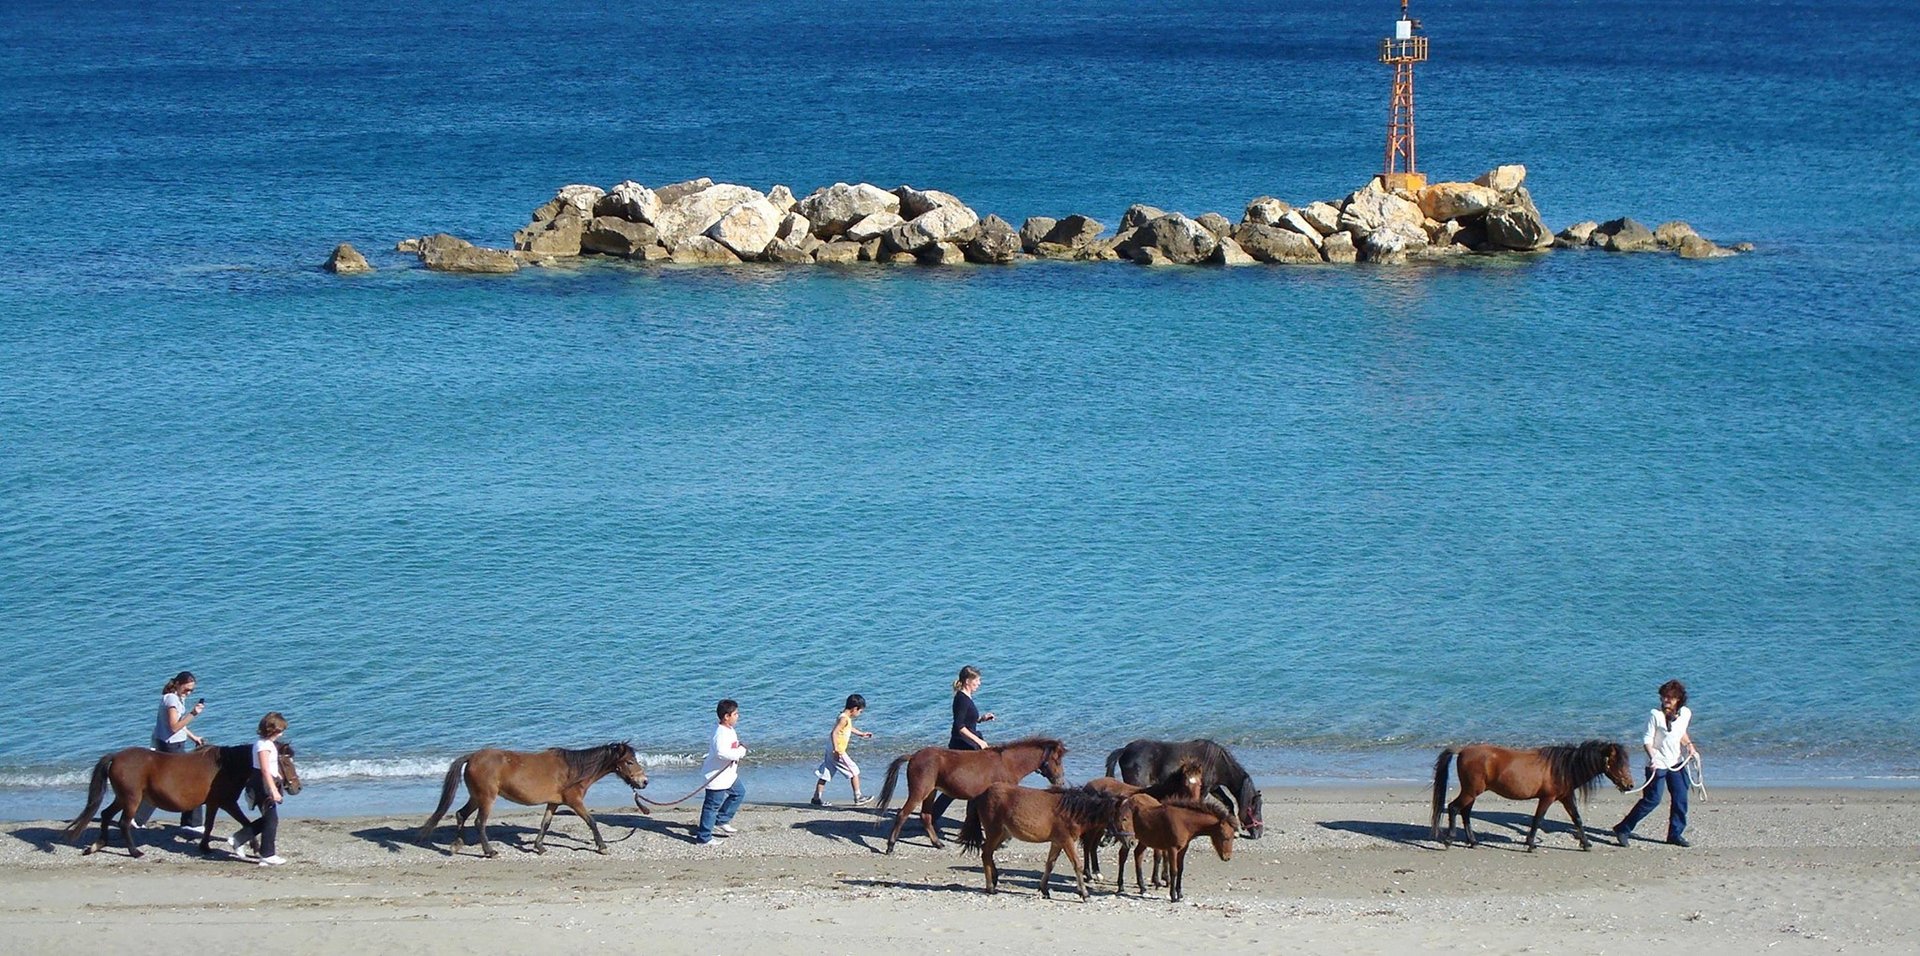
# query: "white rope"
1696,778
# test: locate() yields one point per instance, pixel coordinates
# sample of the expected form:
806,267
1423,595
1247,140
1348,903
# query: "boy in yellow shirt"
837,760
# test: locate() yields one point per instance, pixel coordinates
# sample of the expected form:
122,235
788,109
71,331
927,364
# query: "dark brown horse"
1547,774
1167,827
965,774
211,777
554,777
1059,817
1188,780
1144,761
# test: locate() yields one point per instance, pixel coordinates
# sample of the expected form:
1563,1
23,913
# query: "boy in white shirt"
722,769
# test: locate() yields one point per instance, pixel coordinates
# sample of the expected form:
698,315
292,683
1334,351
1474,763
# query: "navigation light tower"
1402,50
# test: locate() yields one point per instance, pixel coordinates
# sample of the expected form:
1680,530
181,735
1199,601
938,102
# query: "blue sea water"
1337,517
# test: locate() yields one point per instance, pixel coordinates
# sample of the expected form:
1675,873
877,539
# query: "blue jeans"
1675,781
719,807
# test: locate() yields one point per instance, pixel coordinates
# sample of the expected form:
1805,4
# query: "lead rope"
1696,778
638,799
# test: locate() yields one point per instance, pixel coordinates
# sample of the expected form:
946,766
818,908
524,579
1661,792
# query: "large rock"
1322,216
747,228
1265,211
675,192
444,253
1515,224
1387,246
1624,235
559,236
702,251
994,242
915,203
872,226
1216,224
1054,250
1448,201
1034,231
1075,231
839,251
1670,234
782,251
1503,179
1150,256
346,260
793,226
833,208
1339,248
1275,244
696,212
1698,247
619,236
581,197
630,201
1373,209
939,224
941,254
1139,214
1178,238
1576,235
1293,221
1229,253
782,198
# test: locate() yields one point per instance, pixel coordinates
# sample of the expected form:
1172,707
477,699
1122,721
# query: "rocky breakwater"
701,222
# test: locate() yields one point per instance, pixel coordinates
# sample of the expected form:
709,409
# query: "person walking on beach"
965,732
722,767
170,734
837,759
1669,747
263,789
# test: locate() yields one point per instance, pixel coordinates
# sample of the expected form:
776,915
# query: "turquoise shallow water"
1335,516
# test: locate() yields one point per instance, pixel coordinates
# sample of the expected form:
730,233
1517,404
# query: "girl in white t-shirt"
264,789
1669,745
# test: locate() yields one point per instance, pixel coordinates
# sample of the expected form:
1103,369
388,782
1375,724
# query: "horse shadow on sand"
568,833
46,839
1493,828
854,831
973,884
161,838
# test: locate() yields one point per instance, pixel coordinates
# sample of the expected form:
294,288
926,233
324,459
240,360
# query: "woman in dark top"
967,718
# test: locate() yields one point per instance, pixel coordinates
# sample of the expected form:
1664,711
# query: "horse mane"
1578,766
592,761
1218,812
237,757
1175,783
1213,751
1086,807
1044,743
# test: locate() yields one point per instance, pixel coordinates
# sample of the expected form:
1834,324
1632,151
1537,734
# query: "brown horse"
1188,780
1166,827
1547,774
965,774
554,777
1060,817
211,777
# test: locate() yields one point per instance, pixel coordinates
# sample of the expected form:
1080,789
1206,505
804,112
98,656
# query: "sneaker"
706,842
1679,841
727,828
1622,835
816,801
861,801
238,849
274,860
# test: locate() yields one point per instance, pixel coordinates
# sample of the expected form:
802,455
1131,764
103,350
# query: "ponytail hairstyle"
967,673
272,724
179,680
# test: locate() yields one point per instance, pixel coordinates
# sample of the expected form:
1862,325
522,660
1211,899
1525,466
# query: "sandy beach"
1781,870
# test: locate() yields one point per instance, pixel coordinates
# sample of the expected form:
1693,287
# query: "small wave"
351,768
28,779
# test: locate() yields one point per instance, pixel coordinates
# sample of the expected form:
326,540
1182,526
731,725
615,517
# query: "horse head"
1221,834
626,765
1250,811
1195,774
289,774
1618,769
1050,763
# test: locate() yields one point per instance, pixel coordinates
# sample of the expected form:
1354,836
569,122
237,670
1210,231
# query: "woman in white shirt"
1669,746
265,791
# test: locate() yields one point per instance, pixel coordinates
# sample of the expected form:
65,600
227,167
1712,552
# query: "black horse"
1143,762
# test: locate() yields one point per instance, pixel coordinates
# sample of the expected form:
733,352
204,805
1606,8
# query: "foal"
1167,827
1059,817
1188,780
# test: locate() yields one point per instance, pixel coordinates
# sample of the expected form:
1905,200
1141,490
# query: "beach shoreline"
1349,869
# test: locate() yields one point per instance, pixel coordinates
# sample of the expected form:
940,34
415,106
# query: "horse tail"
446,795
1440,768
893,776
96,793
1113,761
973,835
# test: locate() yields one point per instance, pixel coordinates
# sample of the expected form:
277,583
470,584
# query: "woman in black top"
967,718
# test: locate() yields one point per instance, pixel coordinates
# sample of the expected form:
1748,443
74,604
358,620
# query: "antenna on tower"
1401,51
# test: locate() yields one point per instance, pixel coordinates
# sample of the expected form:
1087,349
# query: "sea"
1337,518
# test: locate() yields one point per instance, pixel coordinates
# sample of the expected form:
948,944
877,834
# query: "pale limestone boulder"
1372,209
1034,231
630,201
793,226
839,251
782,198
1075,231
1624,235
443,253
1139,214
872,250
1267,243
1576,235
1448,201
581,197
941,254
675,192
1322,216
833,208
1670,234
872,226
1694,246
696,212
915,203
1215,223
346,260
995,242
1176,237
1339,248
702,251
1294,221
1151,256
1503,179
784,252
939,224
559,236
747,227
619,236
1229,253
1266,211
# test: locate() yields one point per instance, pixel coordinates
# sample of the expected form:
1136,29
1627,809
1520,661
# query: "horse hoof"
136,854
88,851
490,854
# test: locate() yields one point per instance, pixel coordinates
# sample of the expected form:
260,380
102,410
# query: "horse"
1166,827
1144,761
212,777
1059,817
965,774
1546,774
554,777
1188,780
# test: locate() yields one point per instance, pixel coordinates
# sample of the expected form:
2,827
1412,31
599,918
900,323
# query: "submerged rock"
1624,235
444,253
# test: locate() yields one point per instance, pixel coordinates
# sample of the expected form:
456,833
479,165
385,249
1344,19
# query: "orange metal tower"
1402,50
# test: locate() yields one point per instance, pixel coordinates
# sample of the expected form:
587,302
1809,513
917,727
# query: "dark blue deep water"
1336,516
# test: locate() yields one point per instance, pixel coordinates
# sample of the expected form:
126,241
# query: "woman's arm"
177,721
976,738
